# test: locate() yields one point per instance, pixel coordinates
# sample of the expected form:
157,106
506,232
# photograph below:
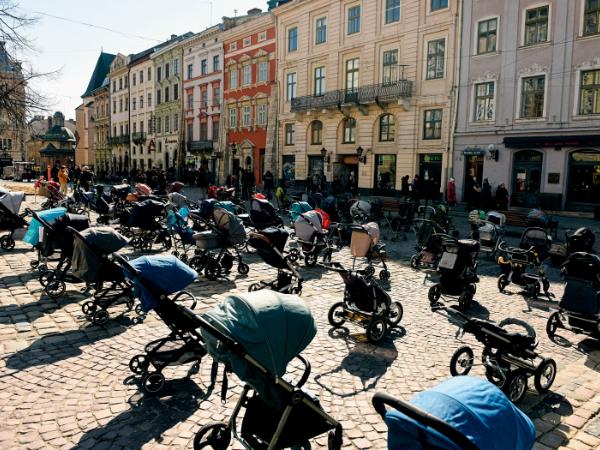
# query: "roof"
7,64
275,3
100,72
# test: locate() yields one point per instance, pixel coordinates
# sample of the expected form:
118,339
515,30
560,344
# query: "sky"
72,48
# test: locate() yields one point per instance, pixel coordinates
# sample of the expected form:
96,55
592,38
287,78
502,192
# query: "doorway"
473,168
430,172
583,188
527,178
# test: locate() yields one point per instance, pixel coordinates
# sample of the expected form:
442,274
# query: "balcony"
138,137
200,146
376,93
116,140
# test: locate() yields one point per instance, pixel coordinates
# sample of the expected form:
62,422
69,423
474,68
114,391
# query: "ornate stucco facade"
119,114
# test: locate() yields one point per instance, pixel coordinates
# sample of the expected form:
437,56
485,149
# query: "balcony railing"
200,146
139,137
115,140
375,93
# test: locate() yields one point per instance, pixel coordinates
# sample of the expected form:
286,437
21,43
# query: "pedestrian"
502,197
451,192
76,175
162,182
351,185
63,179
202,182
476,194
336,186
486,195
54,171
405,187
416,188
86,178
268,180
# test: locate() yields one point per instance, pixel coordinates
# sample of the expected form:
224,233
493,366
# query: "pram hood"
476,408
143,212
177,199
536,237
276,236
88,262
231,225
583,266
307,224
496,218
298,208
228,205
12,201
33,231
363,238
159,275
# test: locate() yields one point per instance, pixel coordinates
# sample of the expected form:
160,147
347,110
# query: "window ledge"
538,45
482,55
482,123
530,120
585,37
582,117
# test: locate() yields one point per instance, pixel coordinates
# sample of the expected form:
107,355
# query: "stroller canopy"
298,208
33,232
177,199
364,237
476,408
307,225
231,225
159,275
12,201
226,204
88,262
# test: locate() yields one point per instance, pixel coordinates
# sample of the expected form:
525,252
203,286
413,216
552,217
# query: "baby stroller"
312,238
458,272
10,219
142,224
429,244
579,307
489,232
533,249
270,245
365,304
180,233
297,209
508,356
461,413
255,336
224,235
580,240
262,215
157,277
91,264
35,233
364,243
50,190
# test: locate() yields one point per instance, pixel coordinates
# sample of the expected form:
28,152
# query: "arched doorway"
527,178
583,185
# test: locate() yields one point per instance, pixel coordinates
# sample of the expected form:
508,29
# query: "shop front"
384,182
473,169
343,168
315,165
430,172
583,188
288,168
527,178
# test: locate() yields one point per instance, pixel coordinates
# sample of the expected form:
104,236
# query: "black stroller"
10,219
533,249
142,224
429,244
270,244
262,215
579,307
458,272
156,277
581,240
508,356
90,264
255,336
365,304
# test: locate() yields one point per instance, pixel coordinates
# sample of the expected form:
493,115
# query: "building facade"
141,111
250,95
529,109
203,95
12,123
366,91
119,114
101,116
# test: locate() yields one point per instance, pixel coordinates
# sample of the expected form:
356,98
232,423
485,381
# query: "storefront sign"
552,141
434,157
553,178
171,141
473,152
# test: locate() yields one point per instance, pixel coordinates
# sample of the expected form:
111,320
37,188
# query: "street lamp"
233,149
359,153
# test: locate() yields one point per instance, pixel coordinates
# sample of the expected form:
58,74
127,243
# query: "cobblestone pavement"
66,383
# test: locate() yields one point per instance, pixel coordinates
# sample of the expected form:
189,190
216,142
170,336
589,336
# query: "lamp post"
359,153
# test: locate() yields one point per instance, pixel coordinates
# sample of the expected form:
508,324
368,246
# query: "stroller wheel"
544,375
294,255
385,275
7,242
376,330
465,299
462,361
502,282
138,310
175,253
415,261
395,314
197,263
553,324
34,264
153,382
296,290
310,259
55,288
369,271
88,308
336,315
139,364
215,435
213,271
146,246
195,369
516,385
136,243
243,268
435,292
46,277
254,287
473,288
100,317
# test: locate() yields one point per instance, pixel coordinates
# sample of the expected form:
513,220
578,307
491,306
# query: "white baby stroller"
364,243
312,238
489,232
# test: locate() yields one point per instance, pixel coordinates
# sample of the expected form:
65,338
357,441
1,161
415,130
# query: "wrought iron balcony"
139,137
200,146
115,140
376,93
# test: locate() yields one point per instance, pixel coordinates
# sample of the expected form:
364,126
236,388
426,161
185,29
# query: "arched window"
387,128
349,131
316,133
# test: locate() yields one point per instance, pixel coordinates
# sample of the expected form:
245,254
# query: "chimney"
254,11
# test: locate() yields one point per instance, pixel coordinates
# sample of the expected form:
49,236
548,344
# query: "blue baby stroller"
181,234
462,413
256,336
10,220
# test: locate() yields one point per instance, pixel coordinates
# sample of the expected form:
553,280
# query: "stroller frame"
416,260
514,271
7,241
312,249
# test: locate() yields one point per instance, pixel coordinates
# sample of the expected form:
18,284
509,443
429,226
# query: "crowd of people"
479,196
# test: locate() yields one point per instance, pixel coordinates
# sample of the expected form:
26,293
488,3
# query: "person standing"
268,184
486,195
476,194
86,178
416,188
502,197
451,192
405,187
202,182
63,179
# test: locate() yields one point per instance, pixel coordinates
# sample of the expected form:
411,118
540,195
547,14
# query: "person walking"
451,192
63,179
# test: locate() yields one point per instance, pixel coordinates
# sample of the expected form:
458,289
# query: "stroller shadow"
475,311
148,418
35,310
364,361
55,347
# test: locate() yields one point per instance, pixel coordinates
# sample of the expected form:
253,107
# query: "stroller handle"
182,293
515,251
381,400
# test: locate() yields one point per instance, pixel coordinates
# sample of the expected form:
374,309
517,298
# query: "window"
167,124
134,129
120,105
247,42
149,100
204,99
215,130
141,76
216,96
232,118
176,67
141,126
349,131
149,73
150,130
436,51
263,71
486,36
247,75
536,25
246,110
114,106
390,67
484,102
438,4
120,83
432,125
392,11
233,79
203,131
158,73
591,17
167,96
176,91
321,31
176,121
261,114
289,134
158,96
134,78
532,97
133,104
352,68
291,86
114,85
293,39
319,81
387,128
126,104
385,173
167,71
141,102
233,46
158,125
203,67
354,19
262,36
190,102
316,133
216,63
190,71
589,102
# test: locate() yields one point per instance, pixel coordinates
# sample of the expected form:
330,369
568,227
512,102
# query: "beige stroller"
364,243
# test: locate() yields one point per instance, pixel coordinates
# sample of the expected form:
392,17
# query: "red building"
249,104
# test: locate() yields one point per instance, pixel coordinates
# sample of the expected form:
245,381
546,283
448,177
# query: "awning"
350,159
552,141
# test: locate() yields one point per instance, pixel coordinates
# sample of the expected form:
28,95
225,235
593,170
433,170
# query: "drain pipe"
456,85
